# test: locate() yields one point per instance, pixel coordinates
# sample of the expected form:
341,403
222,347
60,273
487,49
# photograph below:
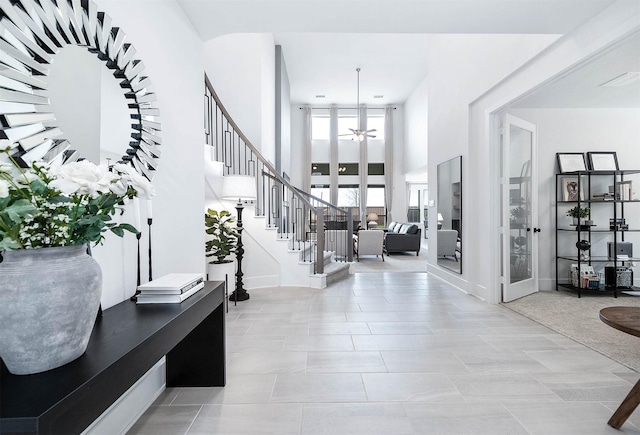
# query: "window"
376,168
348,195
415,194
321,191
320,169
320,127
375,196
377,123
347,121
348,169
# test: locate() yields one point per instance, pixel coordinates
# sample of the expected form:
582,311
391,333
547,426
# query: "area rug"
401,262
577,318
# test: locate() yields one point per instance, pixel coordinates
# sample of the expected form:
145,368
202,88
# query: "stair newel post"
349,241
320,240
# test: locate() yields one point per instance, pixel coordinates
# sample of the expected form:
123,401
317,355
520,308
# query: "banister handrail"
298,216
320,200
247,142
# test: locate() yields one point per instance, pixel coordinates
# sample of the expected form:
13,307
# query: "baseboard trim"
261,281
129,407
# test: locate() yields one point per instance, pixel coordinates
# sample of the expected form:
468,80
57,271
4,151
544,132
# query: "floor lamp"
242,188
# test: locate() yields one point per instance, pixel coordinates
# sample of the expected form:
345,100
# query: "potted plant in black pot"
222,239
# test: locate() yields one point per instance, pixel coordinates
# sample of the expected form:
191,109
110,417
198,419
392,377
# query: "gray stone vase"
49,299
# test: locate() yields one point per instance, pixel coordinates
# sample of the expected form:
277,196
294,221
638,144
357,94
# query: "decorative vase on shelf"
49,299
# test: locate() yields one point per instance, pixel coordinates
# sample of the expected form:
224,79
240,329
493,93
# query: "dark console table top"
126,342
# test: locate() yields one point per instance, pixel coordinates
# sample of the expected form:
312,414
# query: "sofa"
402,237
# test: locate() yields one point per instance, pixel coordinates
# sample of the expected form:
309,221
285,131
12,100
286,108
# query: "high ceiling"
582,88
324,41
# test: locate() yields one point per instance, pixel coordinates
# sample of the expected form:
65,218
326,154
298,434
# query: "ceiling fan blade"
371,135
372,130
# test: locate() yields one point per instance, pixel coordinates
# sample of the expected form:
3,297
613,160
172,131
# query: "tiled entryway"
395,353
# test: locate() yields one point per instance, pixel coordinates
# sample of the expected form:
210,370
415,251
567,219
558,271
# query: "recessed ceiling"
582,88
392,65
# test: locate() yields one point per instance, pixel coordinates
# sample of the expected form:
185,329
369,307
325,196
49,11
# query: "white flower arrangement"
72,204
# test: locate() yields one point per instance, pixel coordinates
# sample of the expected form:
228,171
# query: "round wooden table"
625,319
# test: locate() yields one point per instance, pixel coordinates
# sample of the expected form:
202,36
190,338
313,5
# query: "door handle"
528,229
536,230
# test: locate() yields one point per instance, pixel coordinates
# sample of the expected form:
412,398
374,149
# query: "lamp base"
239,296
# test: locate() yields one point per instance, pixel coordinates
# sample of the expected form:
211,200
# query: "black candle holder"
137,292
149,223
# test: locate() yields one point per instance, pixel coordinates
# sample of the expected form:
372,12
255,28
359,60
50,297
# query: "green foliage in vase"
46,205
224,235
576,212
518,212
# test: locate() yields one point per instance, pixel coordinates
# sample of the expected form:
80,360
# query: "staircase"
279,234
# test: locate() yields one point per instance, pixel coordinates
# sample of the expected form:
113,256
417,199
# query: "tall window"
375,203
349,166
321,191
320,127
348,195
415,201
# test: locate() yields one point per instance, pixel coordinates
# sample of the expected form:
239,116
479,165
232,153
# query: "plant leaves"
20,209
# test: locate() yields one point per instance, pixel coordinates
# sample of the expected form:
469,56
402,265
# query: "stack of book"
602,197
170,289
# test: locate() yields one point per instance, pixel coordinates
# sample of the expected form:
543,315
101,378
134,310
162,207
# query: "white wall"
612,25
575,130
399,201
462,67
416,121
283,114
172,53
297,140
241,68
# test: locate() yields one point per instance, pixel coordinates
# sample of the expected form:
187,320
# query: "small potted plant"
519,215
222,242
579,215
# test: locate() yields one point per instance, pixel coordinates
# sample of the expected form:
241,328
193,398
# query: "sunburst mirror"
32,34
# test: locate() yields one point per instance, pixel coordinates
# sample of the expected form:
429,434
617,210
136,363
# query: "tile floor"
395,353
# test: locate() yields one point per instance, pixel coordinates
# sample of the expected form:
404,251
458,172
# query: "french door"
519,227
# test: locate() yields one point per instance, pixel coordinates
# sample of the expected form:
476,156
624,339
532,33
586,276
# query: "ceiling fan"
359,135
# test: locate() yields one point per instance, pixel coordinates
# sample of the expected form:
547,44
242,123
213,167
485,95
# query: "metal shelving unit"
615,207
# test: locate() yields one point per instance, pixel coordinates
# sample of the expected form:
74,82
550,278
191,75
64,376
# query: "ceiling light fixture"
357,133
622,80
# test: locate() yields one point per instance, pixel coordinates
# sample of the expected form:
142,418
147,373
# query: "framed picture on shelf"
603,160
570,191
571,162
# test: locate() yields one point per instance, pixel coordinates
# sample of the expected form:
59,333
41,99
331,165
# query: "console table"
126,342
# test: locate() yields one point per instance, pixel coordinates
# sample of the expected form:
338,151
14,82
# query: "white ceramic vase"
49,299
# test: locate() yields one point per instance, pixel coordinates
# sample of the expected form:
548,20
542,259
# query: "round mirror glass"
89,105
